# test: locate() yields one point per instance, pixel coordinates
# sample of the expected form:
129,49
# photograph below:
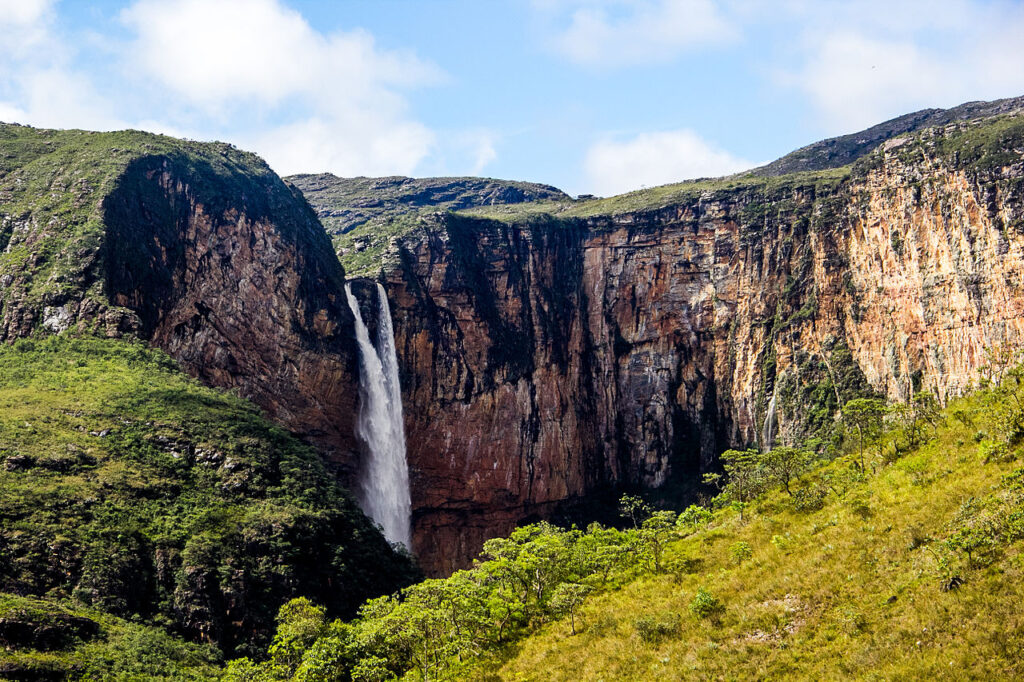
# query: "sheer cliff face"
544,359
244,290
199,248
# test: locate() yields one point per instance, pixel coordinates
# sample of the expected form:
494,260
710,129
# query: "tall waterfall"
384,477
770,423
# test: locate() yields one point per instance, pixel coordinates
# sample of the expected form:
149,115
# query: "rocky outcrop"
840,151
545,358
242,287
199,248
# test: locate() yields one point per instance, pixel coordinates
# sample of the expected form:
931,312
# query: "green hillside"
900,558
54,185
128,488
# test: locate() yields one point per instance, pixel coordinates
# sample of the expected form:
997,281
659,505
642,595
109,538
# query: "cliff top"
366,215
344,204
55,191
985,142
845,149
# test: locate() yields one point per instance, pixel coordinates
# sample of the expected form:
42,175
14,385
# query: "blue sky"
596,96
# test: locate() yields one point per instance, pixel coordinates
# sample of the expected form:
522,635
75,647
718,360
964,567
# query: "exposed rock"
543,359
243,289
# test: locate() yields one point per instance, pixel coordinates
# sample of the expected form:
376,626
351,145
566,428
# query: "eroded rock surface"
548,357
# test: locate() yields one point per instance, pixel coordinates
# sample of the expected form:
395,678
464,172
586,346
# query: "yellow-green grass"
852,591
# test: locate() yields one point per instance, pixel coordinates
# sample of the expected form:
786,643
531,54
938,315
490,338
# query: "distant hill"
346,203
840,151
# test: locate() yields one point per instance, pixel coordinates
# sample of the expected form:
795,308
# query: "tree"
916,415
634,508
867,417
299,623
567,598
692,518
785,464
744,477
656,530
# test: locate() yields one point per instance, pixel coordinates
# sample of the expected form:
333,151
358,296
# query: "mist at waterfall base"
384,475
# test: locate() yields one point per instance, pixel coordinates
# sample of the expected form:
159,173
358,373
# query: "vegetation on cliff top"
844,150
53,184
129,488
902,558
362,215
970,129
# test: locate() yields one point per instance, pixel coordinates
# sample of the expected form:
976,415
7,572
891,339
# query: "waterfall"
384,476
768,430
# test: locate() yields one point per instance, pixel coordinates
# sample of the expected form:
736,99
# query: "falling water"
384,479
768,430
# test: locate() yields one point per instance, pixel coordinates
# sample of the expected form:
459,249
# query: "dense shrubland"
132,490
806,563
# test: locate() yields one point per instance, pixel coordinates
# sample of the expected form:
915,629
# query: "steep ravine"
543,358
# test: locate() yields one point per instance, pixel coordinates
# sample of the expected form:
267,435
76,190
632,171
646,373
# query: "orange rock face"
543,361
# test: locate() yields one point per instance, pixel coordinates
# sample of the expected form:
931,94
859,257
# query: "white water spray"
384,478
770,423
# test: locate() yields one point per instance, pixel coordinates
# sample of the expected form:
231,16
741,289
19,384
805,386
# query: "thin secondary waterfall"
384,476
770,423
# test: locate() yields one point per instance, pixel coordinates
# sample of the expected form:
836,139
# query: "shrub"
653,629
810,499
693,518
706,605
740,552
993,451
860,508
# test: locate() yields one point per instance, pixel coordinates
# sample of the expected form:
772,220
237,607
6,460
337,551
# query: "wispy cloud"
610,33
649,159
860,64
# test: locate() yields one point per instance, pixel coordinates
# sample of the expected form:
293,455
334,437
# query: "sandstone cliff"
199,248
621,342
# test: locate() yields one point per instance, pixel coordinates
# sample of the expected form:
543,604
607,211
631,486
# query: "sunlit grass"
853,590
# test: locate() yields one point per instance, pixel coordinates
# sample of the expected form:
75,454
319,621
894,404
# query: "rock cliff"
621,342
199,248
549,348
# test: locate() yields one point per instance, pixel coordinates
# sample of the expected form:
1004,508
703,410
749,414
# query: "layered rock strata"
546,357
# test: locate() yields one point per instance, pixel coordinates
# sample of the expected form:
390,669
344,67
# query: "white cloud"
215,53
316,145
312,102
885,61
633,32
38,85
23,12
653,159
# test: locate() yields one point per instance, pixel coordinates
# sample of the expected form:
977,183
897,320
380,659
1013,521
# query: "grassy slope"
850,591
46,639
129,487
656,198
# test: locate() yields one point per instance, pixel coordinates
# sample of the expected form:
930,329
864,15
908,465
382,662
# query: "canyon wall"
244,290
547,357
553,353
